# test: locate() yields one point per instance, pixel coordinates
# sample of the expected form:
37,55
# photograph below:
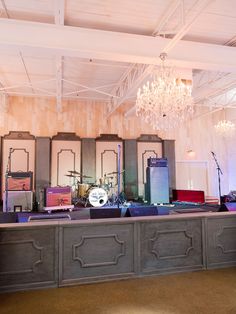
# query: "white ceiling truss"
198,7
103,51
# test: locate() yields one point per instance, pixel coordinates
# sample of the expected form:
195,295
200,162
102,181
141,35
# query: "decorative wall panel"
107,160
89,159
42,168
146,150
169,153
18,154
66,156
131,171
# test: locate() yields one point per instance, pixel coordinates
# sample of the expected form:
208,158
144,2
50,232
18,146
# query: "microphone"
213,153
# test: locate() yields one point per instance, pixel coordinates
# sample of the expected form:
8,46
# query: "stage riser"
221,244
168,246
98,250
101,251
29,257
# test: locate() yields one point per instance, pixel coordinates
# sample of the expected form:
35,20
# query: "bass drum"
97,197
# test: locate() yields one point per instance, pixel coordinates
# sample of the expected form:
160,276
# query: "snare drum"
97,197
83,189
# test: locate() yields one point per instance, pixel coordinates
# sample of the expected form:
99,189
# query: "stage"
129,209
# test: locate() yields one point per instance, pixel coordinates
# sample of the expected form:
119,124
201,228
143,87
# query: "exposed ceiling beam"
197,9
84,88
59,20
27,84
5,8
26,71
59,12
59,82
164,20
90,43
212,85
130,83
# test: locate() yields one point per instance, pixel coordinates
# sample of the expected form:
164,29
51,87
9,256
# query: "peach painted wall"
40,118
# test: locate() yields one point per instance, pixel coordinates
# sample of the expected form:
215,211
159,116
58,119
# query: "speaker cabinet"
18,201
6,218
157,185
141,211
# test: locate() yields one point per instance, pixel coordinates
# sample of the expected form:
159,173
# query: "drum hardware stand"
119,199
219,172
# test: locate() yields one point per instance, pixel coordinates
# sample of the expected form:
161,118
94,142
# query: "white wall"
199,135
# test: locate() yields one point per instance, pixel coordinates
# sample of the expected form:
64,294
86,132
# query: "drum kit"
96,194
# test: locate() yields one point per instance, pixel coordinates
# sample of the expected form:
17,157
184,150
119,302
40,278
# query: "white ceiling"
102,50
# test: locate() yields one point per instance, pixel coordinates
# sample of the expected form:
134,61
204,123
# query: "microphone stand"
6,180
219,172
118,176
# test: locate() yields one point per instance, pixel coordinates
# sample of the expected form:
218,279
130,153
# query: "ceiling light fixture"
166,101
225,127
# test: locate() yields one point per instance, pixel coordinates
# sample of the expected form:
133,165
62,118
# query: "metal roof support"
59,20
197,9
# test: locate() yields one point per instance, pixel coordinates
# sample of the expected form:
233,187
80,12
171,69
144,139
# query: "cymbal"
116,172
70,175
74,172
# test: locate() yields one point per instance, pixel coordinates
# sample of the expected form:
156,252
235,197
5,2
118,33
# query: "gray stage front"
53,254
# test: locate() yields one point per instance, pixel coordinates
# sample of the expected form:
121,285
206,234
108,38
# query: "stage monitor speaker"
228,207
157,185
141,211
104,212
18,201
20,181
8,218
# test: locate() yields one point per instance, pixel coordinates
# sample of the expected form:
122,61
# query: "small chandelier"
165,102
225,128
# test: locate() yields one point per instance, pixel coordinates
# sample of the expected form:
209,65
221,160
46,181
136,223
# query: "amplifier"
58,196
157,162
18,201
20,181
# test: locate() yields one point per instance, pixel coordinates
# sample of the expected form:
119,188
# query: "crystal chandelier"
225,128
166,101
